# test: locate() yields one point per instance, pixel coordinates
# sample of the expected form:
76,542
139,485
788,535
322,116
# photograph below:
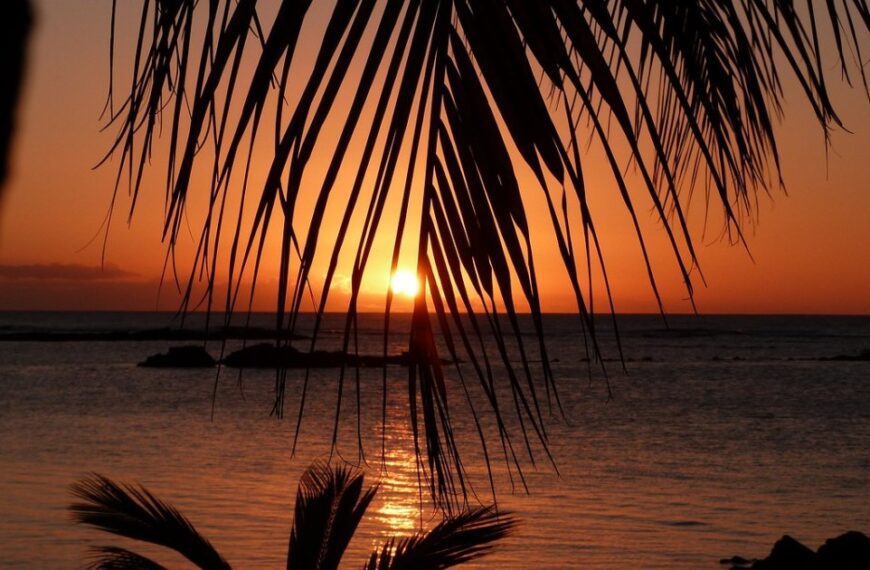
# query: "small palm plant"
330,504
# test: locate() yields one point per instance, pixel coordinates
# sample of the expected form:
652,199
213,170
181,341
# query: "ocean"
711,437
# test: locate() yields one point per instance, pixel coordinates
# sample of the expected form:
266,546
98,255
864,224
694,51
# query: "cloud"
63,272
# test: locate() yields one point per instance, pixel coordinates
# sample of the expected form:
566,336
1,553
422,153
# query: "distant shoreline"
223,333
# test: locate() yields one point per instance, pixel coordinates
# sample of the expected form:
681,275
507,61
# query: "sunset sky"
810,250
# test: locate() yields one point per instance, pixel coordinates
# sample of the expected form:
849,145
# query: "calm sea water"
722,434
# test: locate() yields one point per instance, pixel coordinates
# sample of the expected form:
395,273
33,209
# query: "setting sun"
405,283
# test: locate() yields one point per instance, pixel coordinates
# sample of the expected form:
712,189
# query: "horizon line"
665,315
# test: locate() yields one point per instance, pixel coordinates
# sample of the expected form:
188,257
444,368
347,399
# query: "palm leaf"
15,23
455,540
114,558
462,95
133,512
329,506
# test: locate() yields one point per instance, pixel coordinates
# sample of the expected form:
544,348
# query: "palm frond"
133,512
115,558
15,23
330,503
457,539
439,106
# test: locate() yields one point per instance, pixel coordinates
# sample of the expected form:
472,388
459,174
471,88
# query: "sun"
405,283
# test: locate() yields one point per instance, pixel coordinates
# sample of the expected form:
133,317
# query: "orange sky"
811,249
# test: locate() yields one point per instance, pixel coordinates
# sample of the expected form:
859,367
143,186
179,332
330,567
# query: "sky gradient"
810,250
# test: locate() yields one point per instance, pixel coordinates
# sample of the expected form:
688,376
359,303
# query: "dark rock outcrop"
181,357
267,355
849,551
863,356
788,553
737,562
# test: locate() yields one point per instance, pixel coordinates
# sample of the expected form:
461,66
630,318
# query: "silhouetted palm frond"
462,113
330,503
15,22
329,506
455,540
114,558
133,512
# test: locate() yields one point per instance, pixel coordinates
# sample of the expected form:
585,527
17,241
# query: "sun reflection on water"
398,507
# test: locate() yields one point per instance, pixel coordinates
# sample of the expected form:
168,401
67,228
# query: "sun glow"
404,283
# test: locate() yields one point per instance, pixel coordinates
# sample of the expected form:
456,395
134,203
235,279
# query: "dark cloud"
63,272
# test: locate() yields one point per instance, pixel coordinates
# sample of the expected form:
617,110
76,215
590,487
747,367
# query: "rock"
849,551
270,356
788,554
736,562
180,357
264,355
863,356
